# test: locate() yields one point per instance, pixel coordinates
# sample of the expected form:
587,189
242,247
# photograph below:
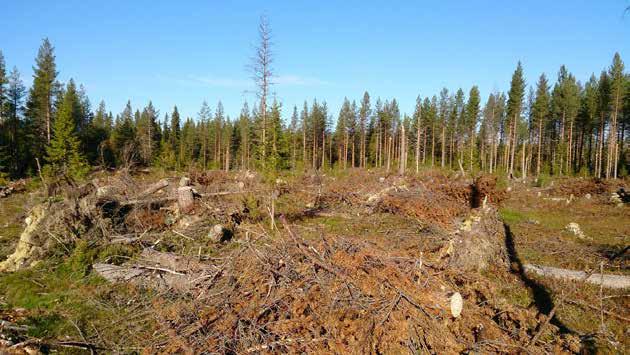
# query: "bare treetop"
261,62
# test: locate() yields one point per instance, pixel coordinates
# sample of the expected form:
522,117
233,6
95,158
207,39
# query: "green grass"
50,291
61,294
12,210
511,216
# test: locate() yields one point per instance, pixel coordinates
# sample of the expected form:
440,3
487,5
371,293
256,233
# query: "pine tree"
305,127
565,102
587,123
3,83
457,127
40,105
341,132
4,137
417,130
64,154
443,122
365,112
16,147
617,92
293,131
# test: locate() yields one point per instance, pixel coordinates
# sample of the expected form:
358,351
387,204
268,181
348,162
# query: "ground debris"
11,187
369,266
575,229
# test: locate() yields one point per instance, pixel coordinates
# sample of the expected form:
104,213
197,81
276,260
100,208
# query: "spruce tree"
203,119
41,101
148,133
514,110
540,113
472,118
276,139
175,130
64,151
244,124
217,126
99,150
124,137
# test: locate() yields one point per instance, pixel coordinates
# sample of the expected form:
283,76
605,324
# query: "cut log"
185,199
171,261
608,281
115,273
153,188
157,270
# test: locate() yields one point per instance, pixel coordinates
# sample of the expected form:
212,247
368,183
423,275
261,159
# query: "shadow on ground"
542,297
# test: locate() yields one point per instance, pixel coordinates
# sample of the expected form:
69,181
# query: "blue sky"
184,52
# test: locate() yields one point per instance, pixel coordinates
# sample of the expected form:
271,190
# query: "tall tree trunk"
570,149
353,151
424,145
402,158
514,144
443,143
48,117
611,161
418,146
304,158
323,149
538,161
523,161
433,145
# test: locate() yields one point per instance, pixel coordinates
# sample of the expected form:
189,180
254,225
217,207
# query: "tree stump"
185,199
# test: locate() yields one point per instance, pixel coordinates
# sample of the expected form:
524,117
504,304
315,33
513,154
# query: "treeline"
563,127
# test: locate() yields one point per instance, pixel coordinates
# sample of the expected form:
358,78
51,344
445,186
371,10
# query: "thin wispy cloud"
296,80
246,83
221,82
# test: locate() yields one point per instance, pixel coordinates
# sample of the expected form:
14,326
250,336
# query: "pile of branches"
282,293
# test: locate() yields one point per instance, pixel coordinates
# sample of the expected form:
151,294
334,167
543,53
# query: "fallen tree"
605,280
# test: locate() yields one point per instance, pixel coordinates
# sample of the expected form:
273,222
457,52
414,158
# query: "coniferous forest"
558,125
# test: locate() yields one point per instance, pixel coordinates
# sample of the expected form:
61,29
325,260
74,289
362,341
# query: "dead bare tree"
261,74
